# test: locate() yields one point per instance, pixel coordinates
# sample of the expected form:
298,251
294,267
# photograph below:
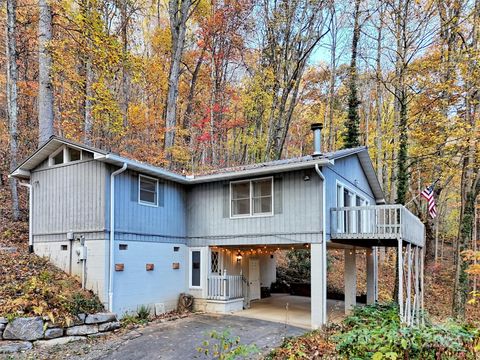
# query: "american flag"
428,194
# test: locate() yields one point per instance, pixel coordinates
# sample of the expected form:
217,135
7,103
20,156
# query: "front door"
254,278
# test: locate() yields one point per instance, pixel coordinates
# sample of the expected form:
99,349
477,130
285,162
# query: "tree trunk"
45,86
351,136
378,101
178,13
12,94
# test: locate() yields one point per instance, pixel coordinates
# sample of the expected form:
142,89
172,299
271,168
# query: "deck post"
372,276
350,279
400,278
317,284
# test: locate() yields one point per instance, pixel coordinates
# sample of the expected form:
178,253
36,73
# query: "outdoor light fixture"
239,257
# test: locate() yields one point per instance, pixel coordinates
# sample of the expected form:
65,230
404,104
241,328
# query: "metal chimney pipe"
317,138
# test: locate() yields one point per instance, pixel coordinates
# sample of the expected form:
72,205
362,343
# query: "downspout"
324,243
112,234
30,212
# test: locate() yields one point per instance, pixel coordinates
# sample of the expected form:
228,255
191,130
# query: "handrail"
377,222
224,287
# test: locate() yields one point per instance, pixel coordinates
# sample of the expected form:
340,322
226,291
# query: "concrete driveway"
181,338
290,309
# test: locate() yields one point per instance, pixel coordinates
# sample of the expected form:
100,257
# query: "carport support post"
350,279
318,286
372,276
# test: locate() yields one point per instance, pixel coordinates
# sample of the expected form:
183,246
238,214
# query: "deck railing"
224,287
376,222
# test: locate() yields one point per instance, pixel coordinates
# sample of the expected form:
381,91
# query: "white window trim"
355,194
55,153
66,156
146,203
252,214
190,267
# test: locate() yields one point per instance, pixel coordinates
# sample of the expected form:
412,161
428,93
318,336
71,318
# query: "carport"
290,309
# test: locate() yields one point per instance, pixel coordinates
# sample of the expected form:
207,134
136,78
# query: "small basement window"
64,247
147,190
176,248
123,247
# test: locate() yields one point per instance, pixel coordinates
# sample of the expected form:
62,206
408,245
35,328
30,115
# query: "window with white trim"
65,154
147,190
251,197
195,268
353,222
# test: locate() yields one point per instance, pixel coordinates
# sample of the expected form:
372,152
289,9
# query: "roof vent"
317,138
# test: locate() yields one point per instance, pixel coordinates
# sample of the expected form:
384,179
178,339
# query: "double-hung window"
251,198
147,190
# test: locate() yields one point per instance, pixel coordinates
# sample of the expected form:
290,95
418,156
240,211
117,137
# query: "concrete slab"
296,313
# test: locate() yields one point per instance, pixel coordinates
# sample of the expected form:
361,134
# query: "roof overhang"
141,167
54,143
43,152
265,170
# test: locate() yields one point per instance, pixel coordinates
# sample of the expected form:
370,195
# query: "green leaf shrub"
375,332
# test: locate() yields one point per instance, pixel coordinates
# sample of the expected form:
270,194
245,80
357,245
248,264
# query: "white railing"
376,222
224,287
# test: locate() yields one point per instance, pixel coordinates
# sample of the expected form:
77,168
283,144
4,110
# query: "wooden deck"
377,225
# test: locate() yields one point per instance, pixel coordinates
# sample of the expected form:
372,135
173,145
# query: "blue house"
137,234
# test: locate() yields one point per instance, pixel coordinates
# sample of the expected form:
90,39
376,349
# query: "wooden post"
408,302
400,278
421,284
417,298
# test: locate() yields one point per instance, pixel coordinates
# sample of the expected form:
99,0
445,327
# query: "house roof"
265,168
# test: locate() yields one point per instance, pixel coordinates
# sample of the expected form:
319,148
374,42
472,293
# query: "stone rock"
82,317
2,327
3,320
109,326
100,318
98,335
59,341
7,347
82,330
24,329
53,333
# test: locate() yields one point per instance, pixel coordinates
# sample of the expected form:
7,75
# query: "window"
251,198
123,247
351,221
75,154
195,268
147,190
65,155
57,158
215,263
241,198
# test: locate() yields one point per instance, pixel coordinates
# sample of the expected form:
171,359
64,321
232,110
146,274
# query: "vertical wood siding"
299,219
69,197
347,171
167,220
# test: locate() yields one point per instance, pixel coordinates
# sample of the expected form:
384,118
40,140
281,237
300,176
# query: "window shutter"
134,187
226,200
278,195
161,193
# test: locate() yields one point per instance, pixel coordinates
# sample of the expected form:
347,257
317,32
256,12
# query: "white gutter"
112,234
30,212
324,244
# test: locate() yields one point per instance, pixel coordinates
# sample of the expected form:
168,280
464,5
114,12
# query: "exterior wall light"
239,257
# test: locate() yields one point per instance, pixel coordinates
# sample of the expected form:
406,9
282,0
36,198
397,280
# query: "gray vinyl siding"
298,220
69,197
